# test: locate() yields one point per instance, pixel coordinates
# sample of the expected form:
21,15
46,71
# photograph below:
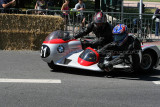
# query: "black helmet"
99,18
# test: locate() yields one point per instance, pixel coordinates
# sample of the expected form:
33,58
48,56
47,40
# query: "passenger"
123,45
50,4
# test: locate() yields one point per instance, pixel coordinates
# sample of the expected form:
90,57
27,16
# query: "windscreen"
88,55
59,34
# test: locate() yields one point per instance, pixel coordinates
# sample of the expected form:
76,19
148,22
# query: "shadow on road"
153,76
82,72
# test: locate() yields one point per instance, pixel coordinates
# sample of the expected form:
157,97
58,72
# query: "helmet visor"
119,37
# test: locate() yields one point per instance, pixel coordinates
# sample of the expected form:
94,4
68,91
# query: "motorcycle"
59,49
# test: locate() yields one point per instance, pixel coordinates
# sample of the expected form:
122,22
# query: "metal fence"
72,20
11,10
142,25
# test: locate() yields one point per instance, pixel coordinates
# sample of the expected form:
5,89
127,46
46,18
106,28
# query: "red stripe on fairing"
58,41
87,63
145,45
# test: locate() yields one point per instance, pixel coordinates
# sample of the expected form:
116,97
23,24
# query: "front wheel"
52,66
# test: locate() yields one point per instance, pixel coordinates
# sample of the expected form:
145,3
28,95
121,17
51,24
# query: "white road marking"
156,82
29,80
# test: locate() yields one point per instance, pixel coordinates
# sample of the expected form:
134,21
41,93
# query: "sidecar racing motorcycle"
59,49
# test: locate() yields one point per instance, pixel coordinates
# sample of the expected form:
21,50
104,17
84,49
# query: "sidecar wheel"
52,66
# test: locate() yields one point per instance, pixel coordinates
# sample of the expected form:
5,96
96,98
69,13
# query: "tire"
148,61
52,66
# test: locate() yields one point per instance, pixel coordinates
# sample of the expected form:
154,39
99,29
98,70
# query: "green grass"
145,0
136,10
149,11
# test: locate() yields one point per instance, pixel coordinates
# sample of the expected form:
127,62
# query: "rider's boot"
101,62
108,67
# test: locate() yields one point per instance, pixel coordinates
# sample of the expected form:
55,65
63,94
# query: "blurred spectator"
6,5
157,20
65,10
40,4
80,7
50,4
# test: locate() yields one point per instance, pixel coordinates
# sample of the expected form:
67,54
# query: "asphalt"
79,88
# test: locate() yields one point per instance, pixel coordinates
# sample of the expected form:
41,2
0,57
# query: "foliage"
136,10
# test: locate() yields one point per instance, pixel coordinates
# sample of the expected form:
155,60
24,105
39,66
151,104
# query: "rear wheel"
147,63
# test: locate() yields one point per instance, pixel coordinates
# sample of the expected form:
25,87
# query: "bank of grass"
145,0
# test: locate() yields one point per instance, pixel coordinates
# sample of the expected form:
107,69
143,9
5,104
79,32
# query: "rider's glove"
114,44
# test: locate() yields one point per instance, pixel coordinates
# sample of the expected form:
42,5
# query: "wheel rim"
146,61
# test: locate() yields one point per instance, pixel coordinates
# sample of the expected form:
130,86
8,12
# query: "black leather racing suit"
103,33
131,46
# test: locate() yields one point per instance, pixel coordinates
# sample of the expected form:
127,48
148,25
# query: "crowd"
42,5
80,7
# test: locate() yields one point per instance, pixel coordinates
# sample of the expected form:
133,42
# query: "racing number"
45,51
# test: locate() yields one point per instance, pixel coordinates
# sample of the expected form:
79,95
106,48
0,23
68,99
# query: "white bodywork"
155,49
69,53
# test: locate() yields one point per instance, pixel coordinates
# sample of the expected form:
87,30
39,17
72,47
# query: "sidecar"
59,49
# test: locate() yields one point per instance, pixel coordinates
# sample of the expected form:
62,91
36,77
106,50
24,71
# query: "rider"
101,28
123,45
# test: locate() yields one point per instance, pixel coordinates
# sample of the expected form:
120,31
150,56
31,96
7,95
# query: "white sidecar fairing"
65,54
71,60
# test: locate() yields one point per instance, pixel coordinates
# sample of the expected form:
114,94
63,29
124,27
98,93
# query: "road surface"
27,81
